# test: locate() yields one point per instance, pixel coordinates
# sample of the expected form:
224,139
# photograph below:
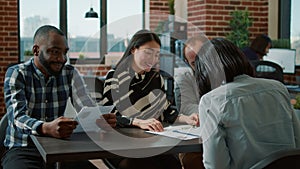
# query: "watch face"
124,120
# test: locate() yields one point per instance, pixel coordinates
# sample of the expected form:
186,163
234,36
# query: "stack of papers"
86,117
182,132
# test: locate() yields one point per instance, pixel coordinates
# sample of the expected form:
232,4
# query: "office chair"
280,159
3,126
95,86
169,86
268,70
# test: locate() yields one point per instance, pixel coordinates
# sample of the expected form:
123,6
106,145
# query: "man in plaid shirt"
36,94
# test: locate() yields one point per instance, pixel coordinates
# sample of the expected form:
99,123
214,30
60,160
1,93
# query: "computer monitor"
286,58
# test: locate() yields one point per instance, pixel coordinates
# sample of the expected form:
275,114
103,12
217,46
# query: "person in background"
231,110
36,94
186,91
136,89
187,96
259,48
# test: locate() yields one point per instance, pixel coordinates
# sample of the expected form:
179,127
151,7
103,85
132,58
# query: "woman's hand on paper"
149,124
192,119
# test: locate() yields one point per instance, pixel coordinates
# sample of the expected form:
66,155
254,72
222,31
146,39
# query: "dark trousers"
22,158
30,158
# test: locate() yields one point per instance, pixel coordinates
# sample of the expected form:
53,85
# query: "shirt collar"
243,76
38,71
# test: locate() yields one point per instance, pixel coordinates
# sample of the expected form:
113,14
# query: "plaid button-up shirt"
31,99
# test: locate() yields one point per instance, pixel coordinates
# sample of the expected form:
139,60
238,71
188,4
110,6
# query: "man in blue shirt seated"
36,94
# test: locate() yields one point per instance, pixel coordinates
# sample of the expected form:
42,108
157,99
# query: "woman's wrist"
180,118
135,122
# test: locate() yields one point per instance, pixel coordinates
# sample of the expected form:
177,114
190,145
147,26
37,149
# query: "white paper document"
183,132
86,117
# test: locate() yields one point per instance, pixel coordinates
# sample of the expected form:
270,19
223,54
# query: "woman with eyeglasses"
136,89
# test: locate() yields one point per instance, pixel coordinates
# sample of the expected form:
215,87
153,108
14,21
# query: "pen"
189,134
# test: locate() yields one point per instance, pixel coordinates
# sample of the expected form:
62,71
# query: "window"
123,19
83,33
33,14
295,29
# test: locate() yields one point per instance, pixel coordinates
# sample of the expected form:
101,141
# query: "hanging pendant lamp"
91,14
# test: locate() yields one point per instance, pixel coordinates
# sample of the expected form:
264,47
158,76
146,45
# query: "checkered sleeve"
15,100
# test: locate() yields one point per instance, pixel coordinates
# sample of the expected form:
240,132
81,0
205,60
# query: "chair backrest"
169,86
268,70
3,126
280,159
95,86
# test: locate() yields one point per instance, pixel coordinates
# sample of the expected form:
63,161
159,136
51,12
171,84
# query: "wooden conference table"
130,142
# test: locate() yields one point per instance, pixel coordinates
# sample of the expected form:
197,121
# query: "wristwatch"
125,121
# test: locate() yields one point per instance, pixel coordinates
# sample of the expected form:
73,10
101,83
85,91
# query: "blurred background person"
259,48
187,96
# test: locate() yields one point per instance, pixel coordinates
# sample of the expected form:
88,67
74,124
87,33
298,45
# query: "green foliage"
81,56
281,43
297,105
28,53
239,24
171,7
160,27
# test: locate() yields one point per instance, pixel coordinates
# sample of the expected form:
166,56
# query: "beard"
47,65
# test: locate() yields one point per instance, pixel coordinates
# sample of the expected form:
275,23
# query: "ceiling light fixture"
91,14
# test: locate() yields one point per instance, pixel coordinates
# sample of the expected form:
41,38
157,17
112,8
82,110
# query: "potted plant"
281,43
239,24
171,7
81,56
171,15
296,104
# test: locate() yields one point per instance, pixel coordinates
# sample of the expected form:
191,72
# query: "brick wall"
93,69
159,11
291,78
8,41
212,16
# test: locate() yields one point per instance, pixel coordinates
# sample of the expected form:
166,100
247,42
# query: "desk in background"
293,90
80,147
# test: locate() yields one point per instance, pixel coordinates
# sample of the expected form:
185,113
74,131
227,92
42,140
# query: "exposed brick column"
212,16
8,41
159,11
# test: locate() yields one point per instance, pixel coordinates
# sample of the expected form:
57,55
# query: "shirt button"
46,101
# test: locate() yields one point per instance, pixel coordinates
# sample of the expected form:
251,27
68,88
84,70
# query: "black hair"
218,62
260,43
43,32
139,38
